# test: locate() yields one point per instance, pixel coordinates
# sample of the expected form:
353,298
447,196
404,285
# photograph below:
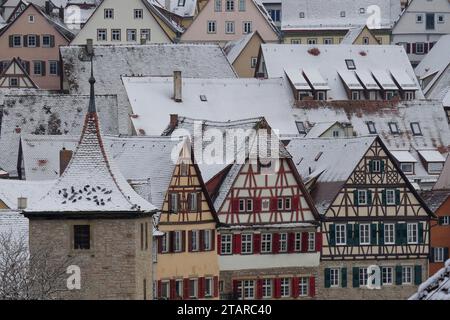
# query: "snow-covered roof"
352,35
446,101
145,162
12,190
47,114
328,67
431,155
330,160
185,8
320,128
436,64
112,62
234,48
223,100
15,224
437,287
403,156
430,116
338,15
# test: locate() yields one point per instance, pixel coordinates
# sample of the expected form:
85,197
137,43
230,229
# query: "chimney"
64,158
47,7
61,14
177,84
173,121
21,203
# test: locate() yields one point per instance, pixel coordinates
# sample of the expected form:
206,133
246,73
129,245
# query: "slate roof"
437,287
326,15
48,114
387,64
435,198
226,100
145,162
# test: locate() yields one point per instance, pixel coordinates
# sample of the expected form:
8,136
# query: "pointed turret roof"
91,182
443,182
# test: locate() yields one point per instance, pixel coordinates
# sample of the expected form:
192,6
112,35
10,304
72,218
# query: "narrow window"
82,237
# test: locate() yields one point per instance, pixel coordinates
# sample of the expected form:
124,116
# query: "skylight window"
350,64
415,128
342,14
300,127
302,15
203,98
362,10
371,127
393,126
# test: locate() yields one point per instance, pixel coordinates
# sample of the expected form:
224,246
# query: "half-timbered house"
268,244
372,218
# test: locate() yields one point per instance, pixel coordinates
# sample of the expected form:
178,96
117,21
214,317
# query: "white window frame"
230,27
387,276
49,38
265,204
303,286
173,198
285,287
438,254
407,171
108,13
211,26
241,205
115,32
146,34
138,14
13,85
195,240
407,274
177,241
32,44
165,289
419,18
362,194
356,95
288,203
341,234
389,233
446,220
253,62
440,18
393,127
364,234
311,241
249,205
132,33
246,243
435,167
420,45
248,289
390,197
298,242
54,64
267,289
335,277
363,276
193,284
226,242
247,27
193,198
31,18
102,35
179,288
229,5
283,242
209,287
14,41
412,233
165,243
409,95
266,242
207,243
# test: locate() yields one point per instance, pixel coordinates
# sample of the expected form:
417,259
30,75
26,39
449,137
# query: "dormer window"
342,14
356,95
203,98
181,3
362,10
415,128
302,15
393,126
300,127
371,127
350,64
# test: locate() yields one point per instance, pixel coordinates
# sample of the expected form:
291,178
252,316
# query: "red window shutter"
216,286
413,48
173,292
312,286
274,204
189,241
256,243
296,203
277,291
159,288
235,205
408,48
219,244
304,241
236,288
213,240
160,242
183,241
201,287
171,241
237,243
291,242
185,288
259,289
199,201
318,241
275,242
294,290
257,205
201,241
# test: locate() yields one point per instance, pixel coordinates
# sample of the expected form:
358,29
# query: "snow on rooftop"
298,80
403,156
48,114
12,190
234,48
437,287
446,101
337,15
326,61
431,155
403,79
212,99
15,224
350,79
186,8
352,35
319,128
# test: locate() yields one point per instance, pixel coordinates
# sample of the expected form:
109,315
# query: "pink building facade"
221,21
34,39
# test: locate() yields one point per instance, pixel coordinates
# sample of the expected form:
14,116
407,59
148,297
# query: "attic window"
300,127
302,15
371,127
342,14
362,10
393,126
350,64
181,3
415,128
203,98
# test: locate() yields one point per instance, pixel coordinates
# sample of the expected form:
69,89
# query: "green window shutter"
397,197
355,198
373,234
370,166
399,233
327,278
344,277
404,233
381,233
398,275
356,235
355,277
369,197
441,221
417,275
383,197
381,166
349,234
445,254
420,231
432,254
332,233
